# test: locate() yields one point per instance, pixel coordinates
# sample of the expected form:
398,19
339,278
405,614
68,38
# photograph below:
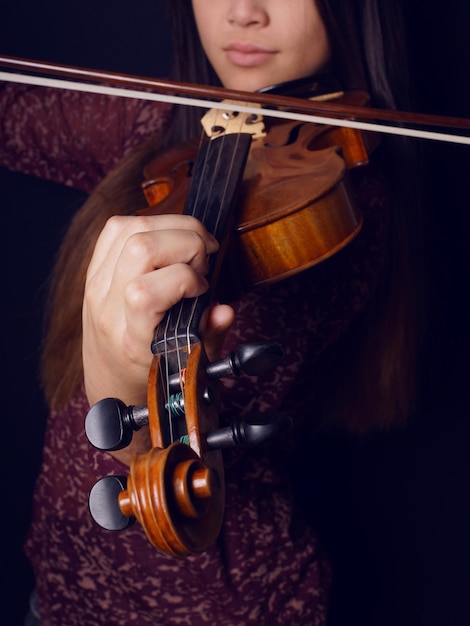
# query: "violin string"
165,377
206,104
223,195
182,304
219,146
202,184
166,380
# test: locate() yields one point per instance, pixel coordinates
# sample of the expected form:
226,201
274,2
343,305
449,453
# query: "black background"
395,510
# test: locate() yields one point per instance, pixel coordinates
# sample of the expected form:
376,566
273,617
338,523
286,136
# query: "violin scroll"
176,489
175,497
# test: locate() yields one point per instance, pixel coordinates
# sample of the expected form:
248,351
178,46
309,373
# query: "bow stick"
312,111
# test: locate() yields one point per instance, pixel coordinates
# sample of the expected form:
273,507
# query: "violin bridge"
217,122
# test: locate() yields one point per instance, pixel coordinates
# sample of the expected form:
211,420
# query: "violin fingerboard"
211,198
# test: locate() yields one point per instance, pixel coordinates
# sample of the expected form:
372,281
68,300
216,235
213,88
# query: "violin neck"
215,182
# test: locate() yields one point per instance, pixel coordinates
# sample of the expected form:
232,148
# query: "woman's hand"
141,266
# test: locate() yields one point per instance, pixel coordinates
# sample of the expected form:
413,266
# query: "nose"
247,13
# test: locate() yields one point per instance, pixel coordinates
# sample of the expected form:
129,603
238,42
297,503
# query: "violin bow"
311,111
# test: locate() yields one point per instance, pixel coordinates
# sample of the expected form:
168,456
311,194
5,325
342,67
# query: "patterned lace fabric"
267,567
70,137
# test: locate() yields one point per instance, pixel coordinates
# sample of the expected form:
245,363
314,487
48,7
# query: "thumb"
218,321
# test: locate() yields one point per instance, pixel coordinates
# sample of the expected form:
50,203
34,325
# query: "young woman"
348,326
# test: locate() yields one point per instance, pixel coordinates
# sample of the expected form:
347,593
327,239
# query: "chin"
246,84
245,81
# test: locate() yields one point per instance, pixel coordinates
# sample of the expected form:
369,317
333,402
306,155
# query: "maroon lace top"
267,566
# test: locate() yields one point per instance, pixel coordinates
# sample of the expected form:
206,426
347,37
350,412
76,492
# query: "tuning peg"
109,423
103,503
249,358
250,432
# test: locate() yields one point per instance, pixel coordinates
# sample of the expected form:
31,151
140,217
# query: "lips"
246,54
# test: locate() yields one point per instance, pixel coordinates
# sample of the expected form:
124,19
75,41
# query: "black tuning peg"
103,503
250,432
109,423
250,359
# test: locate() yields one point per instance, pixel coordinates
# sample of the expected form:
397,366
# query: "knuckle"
138,245
115,224
137,296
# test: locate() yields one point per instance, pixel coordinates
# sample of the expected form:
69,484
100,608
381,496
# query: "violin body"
295,205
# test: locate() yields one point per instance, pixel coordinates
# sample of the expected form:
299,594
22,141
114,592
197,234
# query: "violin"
295,205
277,197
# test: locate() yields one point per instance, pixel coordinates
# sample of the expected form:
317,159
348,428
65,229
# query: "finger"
119,228
150,295
146,251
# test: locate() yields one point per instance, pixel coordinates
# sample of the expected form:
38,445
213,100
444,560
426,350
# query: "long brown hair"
377,368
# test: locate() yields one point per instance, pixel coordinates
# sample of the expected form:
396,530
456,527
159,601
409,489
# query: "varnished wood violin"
276,195
279,193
